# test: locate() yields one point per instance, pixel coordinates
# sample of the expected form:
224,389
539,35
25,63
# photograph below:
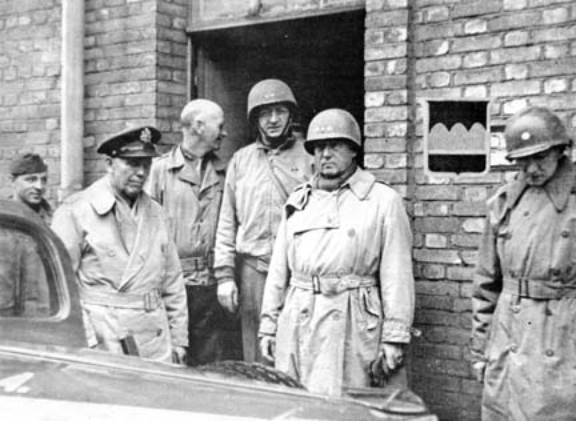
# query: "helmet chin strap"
276,141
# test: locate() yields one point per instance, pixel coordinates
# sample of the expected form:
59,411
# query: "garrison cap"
29,163
132,143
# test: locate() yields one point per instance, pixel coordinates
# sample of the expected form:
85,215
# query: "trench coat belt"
148,301
539,289
331,284
196,263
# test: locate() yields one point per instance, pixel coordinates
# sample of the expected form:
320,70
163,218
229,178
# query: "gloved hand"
268,348
479,368
228,294
390,358
394,354
178,354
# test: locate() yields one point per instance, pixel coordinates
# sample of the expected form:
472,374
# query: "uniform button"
549,353
526,213
513,274
336,316
513,348
516,309
111,253
565,234
555,272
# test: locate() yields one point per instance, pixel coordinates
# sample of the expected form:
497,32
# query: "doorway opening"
321,58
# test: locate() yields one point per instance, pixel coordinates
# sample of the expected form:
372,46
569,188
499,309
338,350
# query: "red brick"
520,19
437,256
435,302
437,193
475,43
465,241
484,75
460,273
468,8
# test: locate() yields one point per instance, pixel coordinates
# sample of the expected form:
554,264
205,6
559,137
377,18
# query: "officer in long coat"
524,298
188,181
126,263
259,179
340,291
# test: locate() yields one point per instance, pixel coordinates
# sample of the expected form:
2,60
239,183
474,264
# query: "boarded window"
456,137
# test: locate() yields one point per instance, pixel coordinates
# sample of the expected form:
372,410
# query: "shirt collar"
558,188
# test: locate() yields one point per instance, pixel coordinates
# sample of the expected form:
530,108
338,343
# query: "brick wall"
135,61
135,73
30,85
513,52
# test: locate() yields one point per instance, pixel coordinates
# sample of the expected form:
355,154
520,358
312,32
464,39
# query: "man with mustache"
259,179
187,181
127,267
29,175
524,296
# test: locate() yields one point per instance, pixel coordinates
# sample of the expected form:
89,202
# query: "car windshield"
24,286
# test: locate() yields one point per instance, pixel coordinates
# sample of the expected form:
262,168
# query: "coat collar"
360,183
558,188
175,160
101,196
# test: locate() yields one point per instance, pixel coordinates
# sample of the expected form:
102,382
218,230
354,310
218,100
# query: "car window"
24,284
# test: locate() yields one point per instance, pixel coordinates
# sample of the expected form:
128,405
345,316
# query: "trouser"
206,322
252,280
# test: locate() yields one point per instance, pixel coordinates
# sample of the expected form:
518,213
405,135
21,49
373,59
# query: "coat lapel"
147,228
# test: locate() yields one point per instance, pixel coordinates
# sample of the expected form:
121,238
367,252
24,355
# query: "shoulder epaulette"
298,199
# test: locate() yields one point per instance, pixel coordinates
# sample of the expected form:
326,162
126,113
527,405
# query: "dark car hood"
122,384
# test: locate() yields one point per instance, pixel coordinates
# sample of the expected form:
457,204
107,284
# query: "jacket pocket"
372,307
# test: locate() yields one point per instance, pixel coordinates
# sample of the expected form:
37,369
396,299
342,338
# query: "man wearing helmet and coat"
259,179
340,291
524,297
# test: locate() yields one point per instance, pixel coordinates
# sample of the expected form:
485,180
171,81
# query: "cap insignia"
146,135
525,136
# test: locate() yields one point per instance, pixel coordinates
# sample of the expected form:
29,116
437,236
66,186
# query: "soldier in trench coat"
524,297
127,267
340,290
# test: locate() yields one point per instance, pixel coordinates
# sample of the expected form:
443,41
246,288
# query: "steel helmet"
270,91
333,123
534,130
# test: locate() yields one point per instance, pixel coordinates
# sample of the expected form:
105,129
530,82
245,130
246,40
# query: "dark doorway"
321,58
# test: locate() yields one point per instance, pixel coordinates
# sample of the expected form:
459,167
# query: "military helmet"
270,91
534,130
333,123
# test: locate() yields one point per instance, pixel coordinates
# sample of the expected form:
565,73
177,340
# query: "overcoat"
340,283
128,272
524,301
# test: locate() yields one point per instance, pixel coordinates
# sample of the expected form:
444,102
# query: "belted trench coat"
340,283
524,301
135,291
